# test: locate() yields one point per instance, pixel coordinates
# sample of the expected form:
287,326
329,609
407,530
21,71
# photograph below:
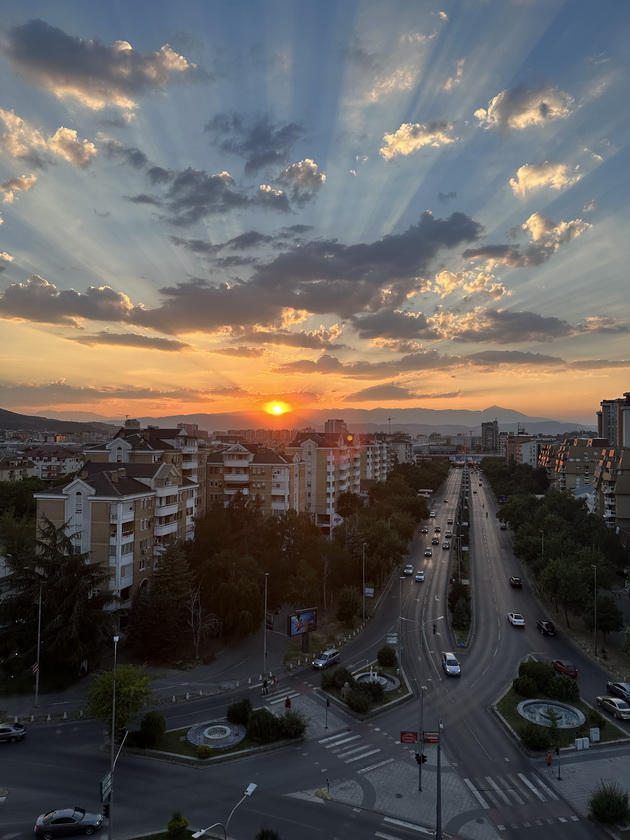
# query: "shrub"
534,737
525,686
540,672
203,751
240,711
456,593
596,719
152,727
563,688
292,724
374,690
262,726
342,676
386,657
461,614
349,606
177,826
609,803
267,834
359,701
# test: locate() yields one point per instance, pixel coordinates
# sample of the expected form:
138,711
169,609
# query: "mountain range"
413,421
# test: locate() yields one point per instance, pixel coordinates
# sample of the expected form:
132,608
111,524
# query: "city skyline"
243,205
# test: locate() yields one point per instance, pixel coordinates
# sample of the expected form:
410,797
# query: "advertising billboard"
302,622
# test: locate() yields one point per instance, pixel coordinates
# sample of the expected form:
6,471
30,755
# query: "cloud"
601,324
502,326
23,183
399,393
394,324
59,393
273,199
473,282
533,176
400,79
303,179
599,364
315,340
423,360
413,136
522,107
259,142
94,74
142,342
493,358
129,155
454,81
6,257
194,194
445,197
241,352
546,237
22,141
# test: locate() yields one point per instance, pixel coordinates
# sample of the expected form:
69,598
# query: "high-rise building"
490,436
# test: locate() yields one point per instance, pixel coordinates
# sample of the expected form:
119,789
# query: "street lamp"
400,580
248,792
264,669
363,568
595,604
112,756
39,641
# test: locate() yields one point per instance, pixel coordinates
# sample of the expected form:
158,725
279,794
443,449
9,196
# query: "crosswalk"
352,749
510,789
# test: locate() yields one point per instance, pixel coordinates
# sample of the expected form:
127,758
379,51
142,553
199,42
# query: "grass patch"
507,707
175,742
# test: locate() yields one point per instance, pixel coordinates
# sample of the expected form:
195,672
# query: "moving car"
446,545
432,515
435,541
326,659
428,552
424,530
437,529
420,576
618,708
516,619
448,535
66,821
445,501
449,521
563,667
547,628
504,526
516,582
451,665
619,689
12,732
408,570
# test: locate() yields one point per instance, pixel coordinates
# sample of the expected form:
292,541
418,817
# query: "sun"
276,408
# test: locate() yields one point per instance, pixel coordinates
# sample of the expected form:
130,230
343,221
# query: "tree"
132,692
349,605
267,834
609,616
200,621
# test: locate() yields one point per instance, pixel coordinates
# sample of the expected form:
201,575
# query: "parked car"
451,665
420,576
446,545
428,552
619,689
563,667
65,821
547,628
516,619
326,659
504,526
12,732
618,708
408,570
435,540
516,582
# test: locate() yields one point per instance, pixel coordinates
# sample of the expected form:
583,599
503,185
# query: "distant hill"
9,421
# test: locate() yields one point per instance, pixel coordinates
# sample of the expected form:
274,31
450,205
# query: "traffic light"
420,758
557,750
106,810
327,702
434,629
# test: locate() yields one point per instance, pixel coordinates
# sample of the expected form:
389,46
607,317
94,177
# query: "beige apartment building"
612,486
572,465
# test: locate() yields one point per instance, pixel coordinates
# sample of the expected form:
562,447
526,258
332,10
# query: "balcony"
165,529
167,510
236,478
126,514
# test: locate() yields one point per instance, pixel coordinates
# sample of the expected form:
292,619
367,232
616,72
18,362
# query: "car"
326,659
563,667
448,535
437,529
504,526
432,515
516,582
420,576
424,530
435,541
451,665
516,619
547,628
65,821
408,570
446,545
449,521
619,689
475,492
12,732
445,501
618,708
428,552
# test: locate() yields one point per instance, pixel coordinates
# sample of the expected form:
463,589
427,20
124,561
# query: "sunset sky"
213,205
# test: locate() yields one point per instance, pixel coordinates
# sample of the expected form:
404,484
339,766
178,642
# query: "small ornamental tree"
609,803
132,691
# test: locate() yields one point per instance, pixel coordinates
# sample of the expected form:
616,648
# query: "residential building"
490,436
612,487
54,462
16,468
575,462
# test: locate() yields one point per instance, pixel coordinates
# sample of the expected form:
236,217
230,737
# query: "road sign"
392,639
408,737
431,737
106,786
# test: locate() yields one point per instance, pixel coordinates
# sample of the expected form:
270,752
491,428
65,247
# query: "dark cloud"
444,197
394,324
193,195
511,255
423,360
259,141
46,394
501,326
132,340
300,338
492,358
129,155
143,198
95,74
399,393
597,364
240,352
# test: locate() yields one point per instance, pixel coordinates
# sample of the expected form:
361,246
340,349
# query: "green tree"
609,616
267,834
349,606
132,692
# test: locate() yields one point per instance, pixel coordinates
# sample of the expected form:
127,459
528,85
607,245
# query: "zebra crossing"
510,789
352,749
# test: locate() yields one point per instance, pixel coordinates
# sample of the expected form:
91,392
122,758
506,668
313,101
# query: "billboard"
302,621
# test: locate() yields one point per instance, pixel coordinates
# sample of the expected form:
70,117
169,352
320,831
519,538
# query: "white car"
450,664
516,619
420,576
432,515
408,570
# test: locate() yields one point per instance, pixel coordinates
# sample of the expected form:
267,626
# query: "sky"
228,205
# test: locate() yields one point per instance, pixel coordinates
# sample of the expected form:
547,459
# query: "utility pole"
264,668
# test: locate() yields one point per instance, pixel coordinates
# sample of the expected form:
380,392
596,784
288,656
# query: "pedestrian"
265,689
549,760
274,683
287,703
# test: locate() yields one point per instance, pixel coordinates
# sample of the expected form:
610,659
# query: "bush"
263,726
595,719
540,672
152,727
386,657
374,690
358,701
177,826
456,593
203,751
461,614
563,688
534,737
239,712
525,686
349,606
609,803
340,677
292,724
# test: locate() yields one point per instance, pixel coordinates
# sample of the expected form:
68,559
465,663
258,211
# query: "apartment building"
612,487
490,436
53,462
575,461
376,457
16,468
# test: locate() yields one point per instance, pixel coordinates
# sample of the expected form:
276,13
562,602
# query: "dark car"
435,541
437,529
619,689
563,667
547,628
516,582
12,732
67,821
424,531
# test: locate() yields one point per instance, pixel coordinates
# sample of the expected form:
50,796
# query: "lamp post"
542,548
39,642
248,792
112,756
438,799
363,578
595,604
400,580
264,668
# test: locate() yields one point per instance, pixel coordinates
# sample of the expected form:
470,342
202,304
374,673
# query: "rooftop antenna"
389,420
